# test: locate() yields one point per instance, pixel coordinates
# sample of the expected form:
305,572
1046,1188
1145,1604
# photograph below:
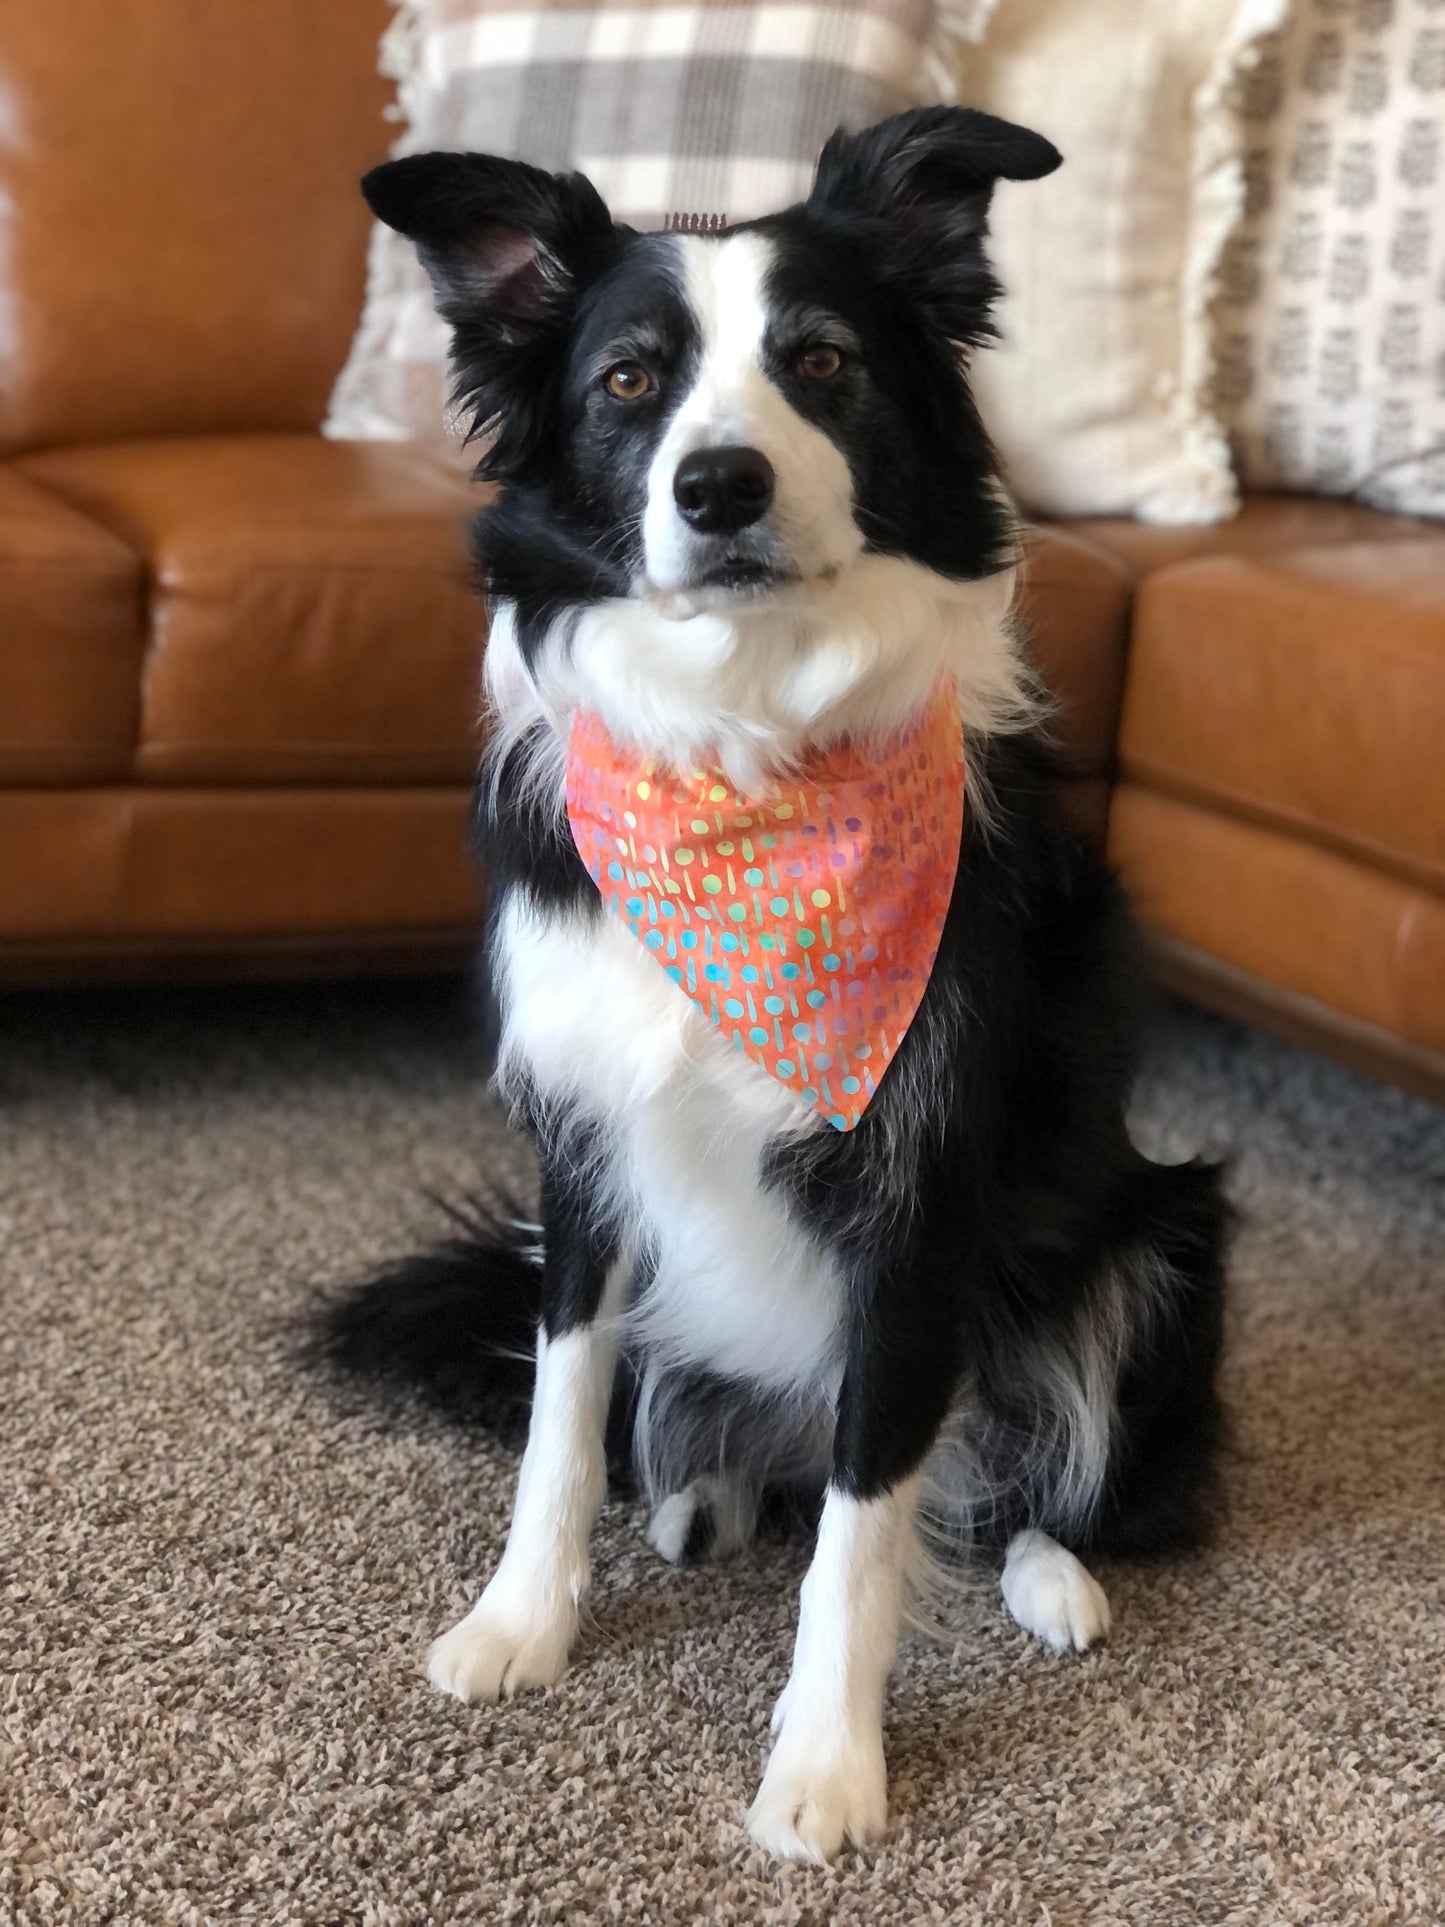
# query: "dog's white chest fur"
590,1021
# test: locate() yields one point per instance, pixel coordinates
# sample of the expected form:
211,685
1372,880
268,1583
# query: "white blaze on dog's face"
744,493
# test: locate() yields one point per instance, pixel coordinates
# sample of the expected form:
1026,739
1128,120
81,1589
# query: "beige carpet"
219,1575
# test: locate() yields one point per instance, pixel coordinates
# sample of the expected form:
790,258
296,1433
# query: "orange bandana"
805,925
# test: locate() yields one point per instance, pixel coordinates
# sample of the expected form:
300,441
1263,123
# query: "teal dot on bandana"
786,1067
773,1006
752,878
780,906
758,1034
653,940
838,1122
850,1085
614,870
715,973
667,909
634,906
689,940
737,911
750,973
734,1007
817,999
803,1033
807,939
728,941
831,962
675,972
791,972
808,1094
767,941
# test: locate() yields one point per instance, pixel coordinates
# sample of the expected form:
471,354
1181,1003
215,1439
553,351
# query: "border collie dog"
751,547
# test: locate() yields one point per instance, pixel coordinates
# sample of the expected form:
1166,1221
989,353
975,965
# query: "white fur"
826,1781
590,1019
762,687
733,403
520,1631
1052,1595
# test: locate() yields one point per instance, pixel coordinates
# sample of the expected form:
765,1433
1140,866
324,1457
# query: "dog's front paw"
1052,1595
816,1796
500,1649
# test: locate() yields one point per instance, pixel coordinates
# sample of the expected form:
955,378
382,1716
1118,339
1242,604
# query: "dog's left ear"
923,181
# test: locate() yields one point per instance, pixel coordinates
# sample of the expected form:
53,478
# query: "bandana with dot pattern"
804,924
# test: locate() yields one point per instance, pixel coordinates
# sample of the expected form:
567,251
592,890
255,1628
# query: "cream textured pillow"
705,108
1332,311
1100,394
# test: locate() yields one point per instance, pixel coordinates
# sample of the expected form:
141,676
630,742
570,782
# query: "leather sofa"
239,663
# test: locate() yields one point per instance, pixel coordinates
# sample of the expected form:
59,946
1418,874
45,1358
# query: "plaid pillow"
704,108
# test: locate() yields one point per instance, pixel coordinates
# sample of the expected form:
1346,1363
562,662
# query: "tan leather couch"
238,664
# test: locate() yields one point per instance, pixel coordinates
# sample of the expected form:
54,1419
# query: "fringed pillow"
1100,394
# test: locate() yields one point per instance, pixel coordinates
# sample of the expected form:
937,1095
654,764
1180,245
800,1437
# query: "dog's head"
710,419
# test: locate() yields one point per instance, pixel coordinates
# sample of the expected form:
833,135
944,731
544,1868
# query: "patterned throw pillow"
704,109
1331,319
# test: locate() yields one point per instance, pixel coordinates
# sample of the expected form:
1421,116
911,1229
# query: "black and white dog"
748,512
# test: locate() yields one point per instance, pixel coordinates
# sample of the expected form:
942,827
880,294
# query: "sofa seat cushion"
1265,525
1303,690
312,617
70,641
123,863
1292,919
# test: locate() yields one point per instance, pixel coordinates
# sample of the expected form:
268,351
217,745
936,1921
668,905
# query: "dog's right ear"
509,250
505,245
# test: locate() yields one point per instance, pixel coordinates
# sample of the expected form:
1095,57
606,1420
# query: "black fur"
989,1211
457,1322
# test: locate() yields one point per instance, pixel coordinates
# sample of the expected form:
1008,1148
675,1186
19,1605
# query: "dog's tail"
456,1324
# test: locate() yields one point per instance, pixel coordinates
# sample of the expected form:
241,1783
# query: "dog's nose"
719,490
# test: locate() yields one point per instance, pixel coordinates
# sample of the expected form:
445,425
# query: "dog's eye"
820,362
628,381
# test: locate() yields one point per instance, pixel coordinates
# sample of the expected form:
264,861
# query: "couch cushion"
1305,690
314,618
70,641
1265,524
184,242
312,615
1283,911
204,864
1075,601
